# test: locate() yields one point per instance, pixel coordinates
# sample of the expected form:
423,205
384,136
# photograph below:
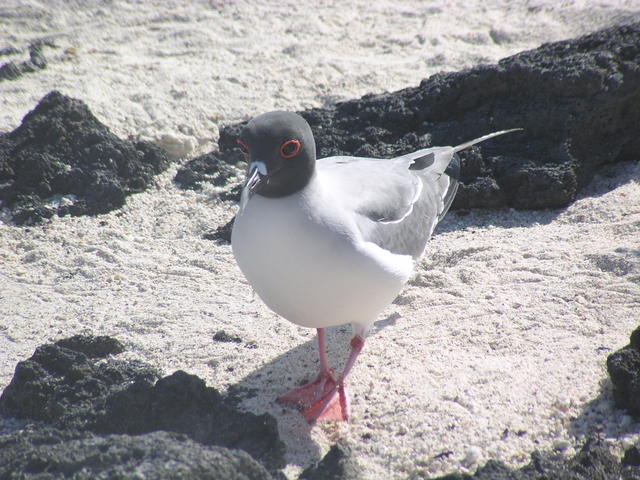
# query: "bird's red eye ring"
243,146
290,148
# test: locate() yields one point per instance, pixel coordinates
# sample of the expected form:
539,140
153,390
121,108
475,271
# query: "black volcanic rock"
92,346
624,369
593,462
209,168
183,403
62,385
37,61
577,100
41,452
222,233
62,160
73,386
632,456
337,464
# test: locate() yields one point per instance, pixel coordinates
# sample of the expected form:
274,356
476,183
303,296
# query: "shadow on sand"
601,418
259,390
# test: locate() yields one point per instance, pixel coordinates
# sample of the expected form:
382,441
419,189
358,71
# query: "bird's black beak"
256,173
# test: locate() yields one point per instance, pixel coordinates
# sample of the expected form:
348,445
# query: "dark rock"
37,61
9,50
183,403
492,470
211,168
593,462
222,233
65,387
237,393
631,463
42,452
222,336
337,464
232,194
577,100
624,369
92,346
632,456
62,160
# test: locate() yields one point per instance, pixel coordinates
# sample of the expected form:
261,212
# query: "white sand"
495,349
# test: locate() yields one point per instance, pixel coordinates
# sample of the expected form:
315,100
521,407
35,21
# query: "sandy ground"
496,348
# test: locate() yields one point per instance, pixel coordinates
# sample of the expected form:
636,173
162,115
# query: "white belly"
314,270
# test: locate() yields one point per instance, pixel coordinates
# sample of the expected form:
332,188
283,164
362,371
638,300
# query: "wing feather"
398,202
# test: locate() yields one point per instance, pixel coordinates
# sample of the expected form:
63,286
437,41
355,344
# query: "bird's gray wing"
396,202
375,189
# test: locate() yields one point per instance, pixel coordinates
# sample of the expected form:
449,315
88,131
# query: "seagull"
333,241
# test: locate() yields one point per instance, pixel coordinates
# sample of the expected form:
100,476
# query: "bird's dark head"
282,154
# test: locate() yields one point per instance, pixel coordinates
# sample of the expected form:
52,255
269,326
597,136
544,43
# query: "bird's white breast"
305,258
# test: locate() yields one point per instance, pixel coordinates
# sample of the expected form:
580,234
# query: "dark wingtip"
423,162
453,169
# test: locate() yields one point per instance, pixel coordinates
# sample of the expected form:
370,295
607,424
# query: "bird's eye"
243,146
290,149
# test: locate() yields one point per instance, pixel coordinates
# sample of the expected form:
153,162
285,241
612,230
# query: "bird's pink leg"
308,394
334,405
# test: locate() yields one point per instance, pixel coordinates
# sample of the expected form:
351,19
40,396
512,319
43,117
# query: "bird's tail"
452,169
470,143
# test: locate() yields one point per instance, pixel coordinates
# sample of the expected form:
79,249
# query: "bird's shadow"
259,390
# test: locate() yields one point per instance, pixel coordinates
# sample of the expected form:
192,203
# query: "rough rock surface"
210,168
71,387
37,61
66,384
577,100
62,160
41,452
337,464
221,233
624,369
593,462
632,457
